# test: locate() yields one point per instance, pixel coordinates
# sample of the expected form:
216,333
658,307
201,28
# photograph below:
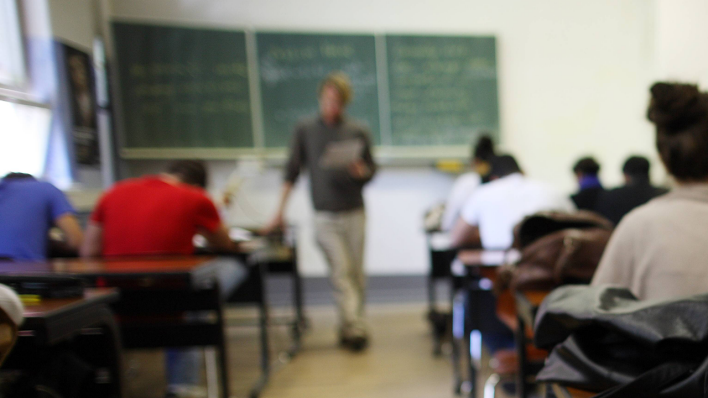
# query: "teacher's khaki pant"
340,235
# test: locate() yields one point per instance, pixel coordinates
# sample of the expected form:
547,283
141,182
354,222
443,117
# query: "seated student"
590,188
159,215
28,209
468,182
616,203
659,249
490,214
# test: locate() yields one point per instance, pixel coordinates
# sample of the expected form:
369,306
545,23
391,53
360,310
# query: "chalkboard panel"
292,65
183,87
443,89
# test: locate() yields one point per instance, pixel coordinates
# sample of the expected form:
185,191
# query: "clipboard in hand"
340,154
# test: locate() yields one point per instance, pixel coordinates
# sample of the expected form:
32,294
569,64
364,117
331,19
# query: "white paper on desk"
340,154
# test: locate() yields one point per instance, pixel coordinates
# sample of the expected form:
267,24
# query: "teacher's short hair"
341,82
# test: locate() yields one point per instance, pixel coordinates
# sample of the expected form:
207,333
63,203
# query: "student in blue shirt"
28,209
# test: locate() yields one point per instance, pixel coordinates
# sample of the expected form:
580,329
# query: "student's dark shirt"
617,202
586,199
332,189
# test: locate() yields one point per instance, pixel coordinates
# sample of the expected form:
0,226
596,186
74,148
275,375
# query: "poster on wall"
79,75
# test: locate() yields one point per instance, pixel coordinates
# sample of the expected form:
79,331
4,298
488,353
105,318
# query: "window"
12,70
23,138
26,124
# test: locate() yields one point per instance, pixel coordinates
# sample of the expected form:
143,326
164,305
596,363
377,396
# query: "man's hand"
276,224
359,170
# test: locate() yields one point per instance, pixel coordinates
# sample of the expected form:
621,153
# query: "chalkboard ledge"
385,155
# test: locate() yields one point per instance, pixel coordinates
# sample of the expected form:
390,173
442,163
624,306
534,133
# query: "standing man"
336,192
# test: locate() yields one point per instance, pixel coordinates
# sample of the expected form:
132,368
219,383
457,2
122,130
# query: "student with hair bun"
659,249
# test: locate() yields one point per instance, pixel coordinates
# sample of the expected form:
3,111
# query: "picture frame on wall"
81,91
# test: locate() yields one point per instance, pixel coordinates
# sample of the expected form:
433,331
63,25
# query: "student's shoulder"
44,186
491,190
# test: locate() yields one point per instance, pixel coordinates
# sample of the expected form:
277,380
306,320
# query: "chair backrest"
11,315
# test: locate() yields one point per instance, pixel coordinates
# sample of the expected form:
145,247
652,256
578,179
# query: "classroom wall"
573,81
683,33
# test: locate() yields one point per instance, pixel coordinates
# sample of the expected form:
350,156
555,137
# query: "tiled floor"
398,363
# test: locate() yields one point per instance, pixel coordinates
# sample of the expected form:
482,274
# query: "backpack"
556,248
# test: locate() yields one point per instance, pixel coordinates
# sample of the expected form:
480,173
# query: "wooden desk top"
486,258
51,321
195,271
142,265
53,307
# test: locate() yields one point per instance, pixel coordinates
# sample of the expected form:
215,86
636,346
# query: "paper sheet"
340,154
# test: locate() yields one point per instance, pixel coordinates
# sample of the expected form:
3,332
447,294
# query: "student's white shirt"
499,205
463,188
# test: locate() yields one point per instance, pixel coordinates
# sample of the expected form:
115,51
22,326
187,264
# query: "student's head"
482,153
18,176
636,169
192,172
586,167
334,93
680,114
503,165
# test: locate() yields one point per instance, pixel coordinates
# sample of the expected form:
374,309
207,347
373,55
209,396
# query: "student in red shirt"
155,215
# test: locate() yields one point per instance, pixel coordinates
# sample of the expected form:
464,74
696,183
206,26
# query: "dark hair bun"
484,149
675,106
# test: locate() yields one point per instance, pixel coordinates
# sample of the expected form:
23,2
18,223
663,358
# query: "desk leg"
223,352
458,332
436,321
521,385
263,323
297,288
100,346
469,329
300,322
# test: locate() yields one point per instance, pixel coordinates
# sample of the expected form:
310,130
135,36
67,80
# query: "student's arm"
466,230
209,225
93,238
278,220
63,216
93,241
72,230
219,239
465,235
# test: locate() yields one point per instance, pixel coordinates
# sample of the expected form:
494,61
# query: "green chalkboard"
290,68
442,89
183,87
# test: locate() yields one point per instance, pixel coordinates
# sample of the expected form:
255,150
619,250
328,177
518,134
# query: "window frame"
10,9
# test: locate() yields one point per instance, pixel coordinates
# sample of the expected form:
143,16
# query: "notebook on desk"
45,286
